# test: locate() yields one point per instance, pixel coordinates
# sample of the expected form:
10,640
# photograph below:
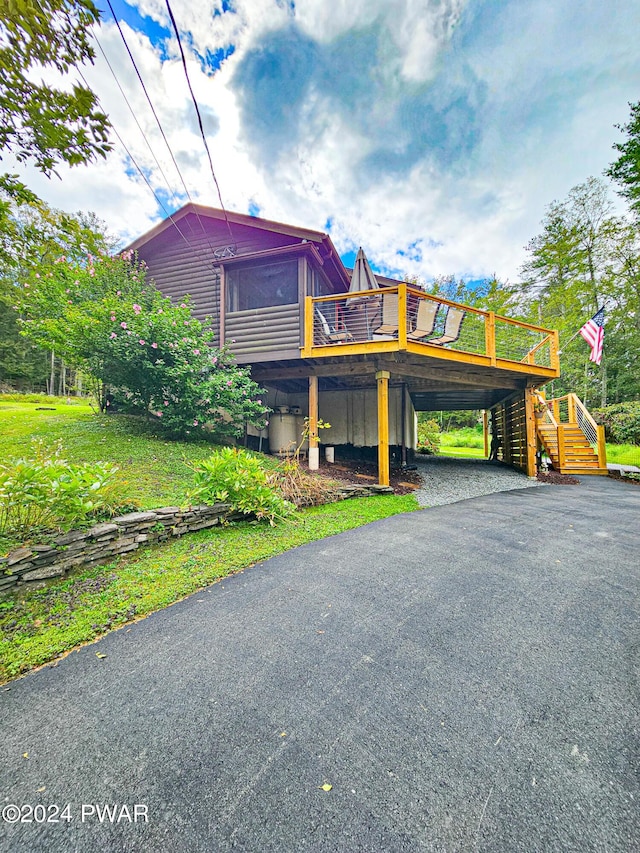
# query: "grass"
623,454
469,443
39,625
156,472
462,443
463,452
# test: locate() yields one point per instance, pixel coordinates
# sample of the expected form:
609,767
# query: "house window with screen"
262,286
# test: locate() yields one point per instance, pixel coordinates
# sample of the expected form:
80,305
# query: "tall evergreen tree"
626,169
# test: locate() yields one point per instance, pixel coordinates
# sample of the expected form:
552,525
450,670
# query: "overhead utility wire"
197,109
144,177
135,118
155,115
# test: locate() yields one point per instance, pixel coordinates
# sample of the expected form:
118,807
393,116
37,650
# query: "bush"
234,476
105,318
428,437
621,422
48,493
302,488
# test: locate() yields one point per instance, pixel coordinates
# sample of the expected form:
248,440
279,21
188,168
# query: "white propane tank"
282,433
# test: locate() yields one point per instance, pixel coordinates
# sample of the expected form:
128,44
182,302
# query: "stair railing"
571,409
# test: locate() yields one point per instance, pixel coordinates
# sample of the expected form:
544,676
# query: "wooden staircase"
575,446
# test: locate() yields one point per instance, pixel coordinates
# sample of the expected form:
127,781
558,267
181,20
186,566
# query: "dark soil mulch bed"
403,482
617,475
556,479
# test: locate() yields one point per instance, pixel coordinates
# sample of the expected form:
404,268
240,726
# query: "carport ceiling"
451,400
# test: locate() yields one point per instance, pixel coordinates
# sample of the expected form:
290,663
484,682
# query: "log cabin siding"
264,333
184,261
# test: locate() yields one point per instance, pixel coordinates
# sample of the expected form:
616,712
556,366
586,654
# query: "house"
279,296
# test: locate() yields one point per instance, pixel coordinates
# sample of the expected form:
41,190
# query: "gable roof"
321,240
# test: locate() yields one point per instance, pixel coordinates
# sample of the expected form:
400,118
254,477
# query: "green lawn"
469,443
38,625
624,454
156,471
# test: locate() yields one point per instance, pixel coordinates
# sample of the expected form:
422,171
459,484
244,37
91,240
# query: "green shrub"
234,476
428,436
621,422
48,493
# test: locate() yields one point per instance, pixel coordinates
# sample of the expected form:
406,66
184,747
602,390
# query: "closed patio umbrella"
363,279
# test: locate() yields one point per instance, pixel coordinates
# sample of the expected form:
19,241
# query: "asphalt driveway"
465,678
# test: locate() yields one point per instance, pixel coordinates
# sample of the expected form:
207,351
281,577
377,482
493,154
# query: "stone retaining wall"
104,542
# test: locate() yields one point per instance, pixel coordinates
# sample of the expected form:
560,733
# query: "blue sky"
431,132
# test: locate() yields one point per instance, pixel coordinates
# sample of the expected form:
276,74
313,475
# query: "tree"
107,319
626,169
40,122
33,234
585,258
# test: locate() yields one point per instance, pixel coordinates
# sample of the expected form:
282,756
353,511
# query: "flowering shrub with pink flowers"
105,318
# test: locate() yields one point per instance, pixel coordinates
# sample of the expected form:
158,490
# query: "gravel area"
446,480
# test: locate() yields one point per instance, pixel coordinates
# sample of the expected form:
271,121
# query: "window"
318,285
261,286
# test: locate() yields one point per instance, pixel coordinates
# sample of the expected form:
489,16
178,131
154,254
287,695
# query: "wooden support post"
402,316
223,304
485,432
561,448
308,327
530,426
382,377
314,450
602,448
490,336
554,351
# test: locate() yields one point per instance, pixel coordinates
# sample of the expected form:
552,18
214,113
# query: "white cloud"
432,133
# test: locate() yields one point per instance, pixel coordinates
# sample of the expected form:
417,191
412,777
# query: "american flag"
593,333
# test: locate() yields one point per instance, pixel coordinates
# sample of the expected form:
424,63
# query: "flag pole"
572,338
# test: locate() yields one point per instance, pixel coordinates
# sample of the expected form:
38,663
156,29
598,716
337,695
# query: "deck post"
490,336
314,450
530,424
402,316
223,304
382,377
307,332
561,448
602,447
485,432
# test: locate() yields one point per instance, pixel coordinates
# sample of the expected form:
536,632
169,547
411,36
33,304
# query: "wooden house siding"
189,264
261,334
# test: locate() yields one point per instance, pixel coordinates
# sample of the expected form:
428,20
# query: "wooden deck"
386,321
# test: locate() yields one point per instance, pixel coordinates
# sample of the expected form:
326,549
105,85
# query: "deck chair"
390,322
452,326
425,319
330,334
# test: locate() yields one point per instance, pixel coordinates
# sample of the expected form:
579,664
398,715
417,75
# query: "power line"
155,115
197,109
135,118
144,177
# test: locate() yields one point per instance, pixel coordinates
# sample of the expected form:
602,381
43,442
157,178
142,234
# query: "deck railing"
571,410
404,317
